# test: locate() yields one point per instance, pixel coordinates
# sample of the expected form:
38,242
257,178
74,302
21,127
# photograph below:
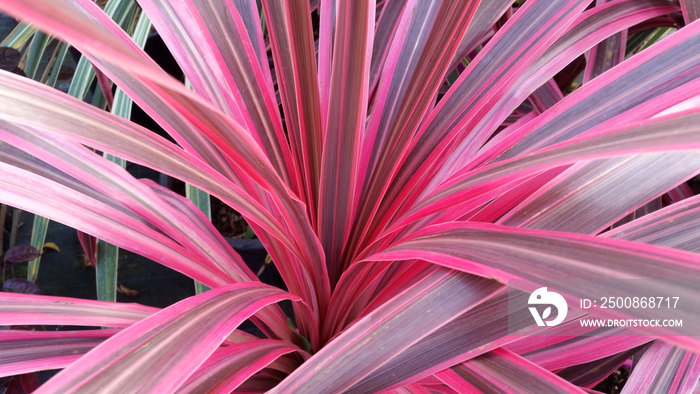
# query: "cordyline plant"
396,198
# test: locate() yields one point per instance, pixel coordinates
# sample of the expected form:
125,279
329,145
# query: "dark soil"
614,383
227,220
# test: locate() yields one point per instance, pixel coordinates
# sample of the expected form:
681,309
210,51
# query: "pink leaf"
160,352
664,368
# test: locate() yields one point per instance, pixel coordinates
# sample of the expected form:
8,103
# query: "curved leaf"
230,366
23,309
503,371
387,331
32,351
673,132
160,352
664,368
504,253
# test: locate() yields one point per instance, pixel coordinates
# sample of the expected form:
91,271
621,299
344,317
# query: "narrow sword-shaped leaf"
108,254
61,52
649,136
535,26
27,309
503,371
590,374
591,27
610,177
36,50
39,228
160,352
386,31
228,367
607,54
226,60
325,53
387,331
201,200
675,226
347,107
453,18
691,10
253,21
413,29
31,351
502,252
292,42
664,368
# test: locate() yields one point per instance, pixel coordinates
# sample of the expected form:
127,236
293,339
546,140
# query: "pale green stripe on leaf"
19,36
643,40
41,225
36,52
108,257
200,198
60,57
121,11
108,254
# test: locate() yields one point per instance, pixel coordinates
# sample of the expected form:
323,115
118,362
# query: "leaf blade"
122,363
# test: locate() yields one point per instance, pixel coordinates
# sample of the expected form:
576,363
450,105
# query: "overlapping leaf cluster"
426,153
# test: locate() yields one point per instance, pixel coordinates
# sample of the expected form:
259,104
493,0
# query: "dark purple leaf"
9,58
18,285
21,254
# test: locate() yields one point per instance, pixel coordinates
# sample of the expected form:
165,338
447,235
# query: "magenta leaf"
22,309
400,161
500,252
292,44
664,368
384,333
181,338
691,10
229,367
345,125
23,351
503,371
89,245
